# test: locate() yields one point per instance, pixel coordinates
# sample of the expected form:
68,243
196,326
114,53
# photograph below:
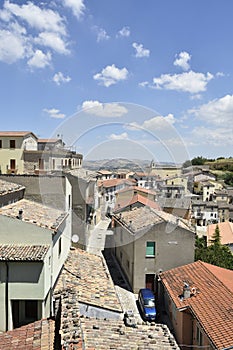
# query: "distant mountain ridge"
120,163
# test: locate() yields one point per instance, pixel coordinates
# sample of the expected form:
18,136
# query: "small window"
59,247
0,143
12,143
150,248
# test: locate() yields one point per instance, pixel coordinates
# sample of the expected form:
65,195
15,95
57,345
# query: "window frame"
153,247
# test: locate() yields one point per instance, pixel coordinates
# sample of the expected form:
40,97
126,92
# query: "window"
150,249
59,247
12,143
199,337
0,143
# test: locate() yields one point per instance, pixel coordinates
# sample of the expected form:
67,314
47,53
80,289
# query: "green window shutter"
150,248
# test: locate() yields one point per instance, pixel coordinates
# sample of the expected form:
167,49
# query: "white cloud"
52,40
182,60
212,136
191,82
59,78
124,32
123,136
140,51
111,75
154,124
12,46
77,7
102,35
41,19
54,113
104,109
217,112
40,59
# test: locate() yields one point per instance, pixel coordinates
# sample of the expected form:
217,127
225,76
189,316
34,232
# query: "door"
12,164
150,281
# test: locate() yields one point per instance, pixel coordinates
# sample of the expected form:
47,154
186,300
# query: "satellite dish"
75,238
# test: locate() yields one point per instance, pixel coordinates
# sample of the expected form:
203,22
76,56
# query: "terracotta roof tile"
16,133
137,198
212,303
35,213
226,231
89,276
34,336
13,252
144,217
112,334
9,187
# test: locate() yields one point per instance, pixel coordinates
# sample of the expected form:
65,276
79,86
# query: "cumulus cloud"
40,59
111,75
52,40
37,18
154,124
54,113
182,60
77,7
18,41
191,82
12,46
104,109
59,78
124,32
217,112
140,51
123,136
102,34
212,136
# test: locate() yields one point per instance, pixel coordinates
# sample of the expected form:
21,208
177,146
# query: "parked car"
146,302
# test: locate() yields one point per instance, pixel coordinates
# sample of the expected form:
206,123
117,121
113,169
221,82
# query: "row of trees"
215,253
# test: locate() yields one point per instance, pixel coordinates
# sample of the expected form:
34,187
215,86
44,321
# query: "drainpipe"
7,294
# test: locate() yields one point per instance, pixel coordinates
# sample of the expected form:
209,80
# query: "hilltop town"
79,240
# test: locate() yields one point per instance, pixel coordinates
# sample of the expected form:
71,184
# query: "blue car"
146,302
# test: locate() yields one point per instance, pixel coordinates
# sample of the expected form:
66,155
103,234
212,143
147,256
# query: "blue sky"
125,78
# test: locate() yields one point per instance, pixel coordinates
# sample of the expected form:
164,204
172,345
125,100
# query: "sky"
128,78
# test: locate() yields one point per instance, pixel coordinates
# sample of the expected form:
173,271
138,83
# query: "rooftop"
212,303
115,182
137,198
35,213
144,217
16,133
38,335
226,232
9,187
112,334
19,252
88,275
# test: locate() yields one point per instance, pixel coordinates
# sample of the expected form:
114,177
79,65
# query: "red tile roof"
212,305
137,198
16,133
115,182
34,336
226,232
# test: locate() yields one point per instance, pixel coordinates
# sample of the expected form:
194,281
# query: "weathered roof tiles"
35,213
14,252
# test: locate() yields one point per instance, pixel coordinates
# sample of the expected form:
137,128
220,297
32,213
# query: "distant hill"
119,163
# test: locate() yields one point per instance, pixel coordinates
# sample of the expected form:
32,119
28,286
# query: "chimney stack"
20,215
186,291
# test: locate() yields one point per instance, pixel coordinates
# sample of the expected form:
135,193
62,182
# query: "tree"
216,253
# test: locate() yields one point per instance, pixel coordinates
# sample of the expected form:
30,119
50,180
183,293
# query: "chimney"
186,291
20,214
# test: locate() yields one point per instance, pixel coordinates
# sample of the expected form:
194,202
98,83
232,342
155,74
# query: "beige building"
21,152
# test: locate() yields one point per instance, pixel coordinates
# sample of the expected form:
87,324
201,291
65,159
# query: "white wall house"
34,244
